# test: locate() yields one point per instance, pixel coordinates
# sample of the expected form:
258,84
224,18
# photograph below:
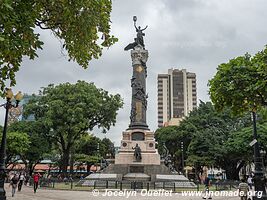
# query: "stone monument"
138,137
138,160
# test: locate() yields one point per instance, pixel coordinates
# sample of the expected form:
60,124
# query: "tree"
70,110
172,136
39,144
18,143
204,133
88,144
208,145
216,139
238,148
87,159
90,149
108,149
77,24
241,83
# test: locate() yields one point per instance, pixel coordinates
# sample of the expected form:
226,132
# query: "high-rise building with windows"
177,96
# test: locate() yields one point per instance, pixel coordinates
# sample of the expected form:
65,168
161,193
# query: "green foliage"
78,24
238,142
18,143
74,108
88,145
108,149
172,136
39,144
210,130
68,111
209,135
241,84
89,160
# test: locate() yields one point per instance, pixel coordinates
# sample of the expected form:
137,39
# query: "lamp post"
182,150
8,105
99,156
259,181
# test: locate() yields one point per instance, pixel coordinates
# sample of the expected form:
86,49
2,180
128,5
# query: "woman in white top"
250,182
21,180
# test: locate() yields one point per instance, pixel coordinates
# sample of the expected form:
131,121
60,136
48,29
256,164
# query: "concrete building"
177,96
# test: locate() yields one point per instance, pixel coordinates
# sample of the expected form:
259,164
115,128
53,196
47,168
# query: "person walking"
21,180
36,178
250,182
207,184
14,182
243,190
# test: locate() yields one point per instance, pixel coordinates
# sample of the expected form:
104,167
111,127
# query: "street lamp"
182,150
8,105
99,156
259,181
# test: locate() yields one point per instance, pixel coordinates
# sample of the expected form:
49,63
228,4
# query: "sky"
196,35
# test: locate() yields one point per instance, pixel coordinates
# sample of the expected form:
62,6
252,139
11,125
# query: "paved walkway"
45,194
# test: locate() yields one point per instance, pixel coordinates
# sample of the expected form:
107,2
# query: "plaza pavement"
46,194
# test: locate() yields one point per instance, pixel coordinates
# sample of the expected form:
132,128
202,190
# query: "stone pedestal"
145,140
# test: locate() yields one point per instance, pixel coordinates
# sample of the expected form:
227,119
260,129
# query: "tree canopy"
172,136
77,24
241,84
18,143
91,150
39,143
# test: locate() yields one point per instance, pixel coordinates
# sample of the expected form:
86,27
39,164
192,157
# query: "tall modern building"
177,96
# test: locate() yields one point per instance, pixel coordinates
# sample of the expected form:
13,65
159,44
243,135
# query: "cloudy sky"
193,34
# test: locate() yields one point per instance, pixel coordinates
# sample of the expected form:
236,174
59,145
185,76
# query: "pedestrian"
207,188
14,182
65,180
243,190
36,178
250,182
21,180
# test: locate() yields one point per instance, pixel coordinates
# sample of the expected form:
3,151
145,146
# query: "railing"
225,184
133,185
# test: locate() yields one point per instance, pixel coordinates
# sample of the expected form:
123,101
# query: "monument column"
138,83
138,146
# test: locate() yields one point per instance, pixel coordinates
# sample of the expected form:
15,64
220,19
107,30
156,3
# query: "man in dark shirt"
14,182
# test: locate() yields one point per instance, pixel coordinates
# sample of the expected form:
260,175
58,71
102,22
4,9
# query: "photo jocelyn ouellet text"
166,193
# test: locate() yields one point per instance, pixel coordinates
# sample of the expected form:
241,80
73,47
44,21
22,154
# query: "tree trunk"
30,169
198,172
232,170
26,168
88,167
65,161
71,164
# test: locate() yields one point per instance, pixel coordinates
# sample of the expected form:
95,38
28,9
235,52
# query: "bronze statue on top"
139,40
